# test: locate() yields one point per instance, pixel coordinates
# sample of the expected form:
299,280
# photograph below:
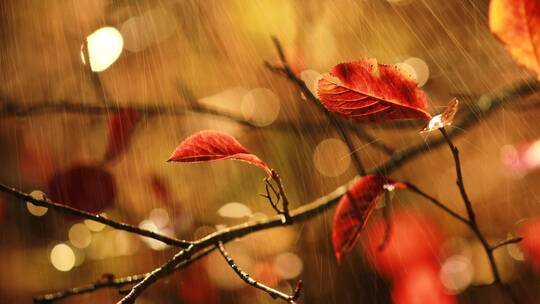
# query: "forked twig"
275,294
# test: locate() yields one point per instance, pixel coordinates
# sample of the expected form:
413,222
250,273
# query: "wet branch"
275,294
24,197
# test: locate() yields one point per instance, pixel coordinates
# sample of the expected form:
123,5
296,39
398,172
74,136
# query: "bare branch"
275,294
24,197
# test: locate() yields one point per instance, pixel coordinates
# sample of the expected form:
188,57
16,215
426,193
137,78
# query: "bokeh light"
457,273
260,106
421,70
79,235
104,47
234,210
34,209
288,265
331,157
62,257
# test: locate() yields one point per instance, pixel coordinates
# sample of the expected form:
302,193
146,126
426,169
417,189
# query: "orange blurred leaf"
517,24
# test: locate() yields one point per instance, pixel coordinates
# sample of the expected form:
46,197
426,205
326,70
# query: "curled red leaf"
121,126
355,208
370,92
213,145
444,119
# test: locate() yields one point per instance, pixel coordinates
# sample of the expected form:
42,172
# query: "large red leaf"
213,145
370,92
121,127
354,210
517,24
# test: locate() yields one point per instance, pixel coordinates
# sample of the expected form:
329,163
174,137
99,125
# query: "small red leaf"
121,127
370,92
354,210
213,145
444,119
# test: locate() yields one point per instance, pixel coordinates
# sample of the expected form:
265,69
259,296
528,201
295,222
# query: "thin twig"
286,70
112,282
282,195
24,197
507,242
437,203
251,281
156,274
472,219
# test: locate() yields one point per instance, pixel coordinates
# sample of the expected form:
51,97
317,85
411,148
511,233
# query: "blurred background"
186,54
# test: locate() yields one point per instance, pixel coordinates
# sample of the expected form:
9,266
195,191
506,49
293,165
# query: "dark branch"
507,242
24,197
112,282
251,281
437,203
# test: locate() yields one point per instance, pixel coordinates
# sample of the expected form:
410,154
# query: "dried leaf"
370,92
355,208
444,119
121,126
213,145
517,24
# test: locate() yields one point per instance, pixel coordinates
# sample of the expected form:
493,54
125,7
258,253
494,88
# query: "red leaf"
354,210
370,92
121,127
213,145
86,187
